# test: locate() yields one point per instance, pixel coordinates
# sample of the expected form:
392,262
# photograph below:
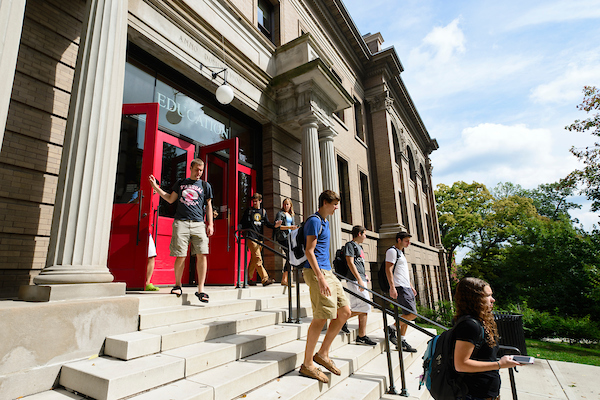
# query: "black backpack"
296,244
339,262
384,285
439,375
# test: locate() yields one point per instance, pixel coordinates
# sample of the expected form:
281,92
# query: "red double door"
139,214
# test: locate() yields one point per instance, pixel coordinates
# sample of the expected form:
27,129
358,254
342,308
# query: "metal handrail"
239,234
385,311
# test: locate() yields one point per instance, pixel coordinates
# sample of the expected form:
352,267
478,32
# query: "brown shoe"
268,281
327,364
314,373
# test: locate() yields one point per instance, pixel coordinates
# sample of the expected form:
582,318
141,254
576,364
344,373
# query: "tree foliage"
589,176
524,243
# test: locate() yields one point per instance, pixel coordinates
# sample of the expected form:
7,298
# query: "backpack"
297,245
339,262
439,375
384,285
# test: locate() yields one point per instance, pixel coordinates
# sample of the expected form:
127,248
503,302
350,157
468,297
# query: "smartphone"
523,359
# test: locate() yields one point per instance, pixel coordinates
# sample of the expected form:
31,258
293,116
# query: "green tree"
589,176
461,209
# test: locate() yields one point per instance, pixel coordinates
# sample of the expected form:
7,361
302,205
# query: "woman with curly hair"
475,352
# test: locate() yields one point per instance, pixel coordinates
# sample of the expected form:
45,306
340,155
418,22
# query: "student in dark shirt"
479,365
254,219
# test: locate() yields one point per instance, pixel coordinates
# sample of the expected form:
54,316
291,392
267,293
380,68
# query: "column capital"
380,102
309,121
327,133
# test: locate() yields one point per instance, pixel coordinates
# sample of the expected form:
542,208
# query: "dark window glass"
358,120
265,18
429,229
404,210
419,223
366,203
129,163
345,210
244,192
340,115
411,164
174,166
397,155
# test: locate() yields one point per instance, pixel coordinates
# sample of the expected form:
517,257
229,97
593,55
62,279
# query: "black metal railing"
388,307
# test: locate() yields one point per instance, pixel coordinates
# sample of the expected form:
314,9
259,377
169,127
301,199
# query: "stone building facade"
317,106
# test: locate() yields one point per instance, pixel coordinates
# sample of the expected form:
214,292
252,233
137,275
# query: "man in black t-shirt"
189,227
254,219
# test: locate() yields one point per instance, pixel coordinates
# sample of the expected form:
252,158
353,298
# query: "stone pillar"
331,182
312,180
80,232
12,13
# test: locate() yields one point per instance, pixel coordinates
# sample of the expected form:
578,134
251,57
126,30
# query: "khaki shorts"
325,307
185,233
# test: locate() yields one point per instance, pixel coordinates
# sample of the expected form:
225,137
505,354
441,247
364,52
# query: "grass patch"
576,353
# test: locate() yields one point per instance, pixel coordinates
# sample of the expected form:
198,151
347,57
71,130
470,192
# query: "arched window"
411,164
396,146
423,178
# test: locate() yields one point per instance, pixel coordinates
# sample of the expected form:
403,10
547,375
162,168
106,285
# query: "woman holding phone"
476,334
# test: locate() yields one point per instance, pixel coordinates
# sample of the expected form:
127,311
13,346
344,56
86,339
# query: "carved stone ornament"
381,102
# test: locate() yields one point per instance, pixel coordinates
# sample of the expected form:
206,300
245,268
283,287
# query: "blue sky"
495,82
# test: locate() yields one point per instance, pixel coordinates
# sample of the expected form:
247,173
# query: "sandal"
177,291
203,297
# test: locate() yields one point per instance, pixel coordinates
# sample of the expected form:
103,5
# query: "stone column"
78,248
312,180
12,13
331,182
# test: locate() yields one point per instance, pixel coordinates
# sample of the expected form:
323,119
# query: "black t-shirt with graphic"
192,196
255,220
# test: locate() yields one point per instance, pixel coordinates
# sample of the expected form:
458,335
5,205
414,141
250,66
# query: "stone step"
206,355
163,298
107,378
163,316
352,361
232,379
137,344
55,394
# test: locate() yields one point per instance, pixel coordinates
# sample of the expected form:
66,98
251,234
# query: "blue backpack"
439,375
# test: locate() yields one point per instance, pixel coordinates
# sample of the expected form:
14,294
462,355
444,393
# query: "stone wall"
31,152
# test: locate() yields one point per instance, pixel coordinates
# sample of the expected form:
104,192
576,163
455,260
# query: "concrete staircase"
237,345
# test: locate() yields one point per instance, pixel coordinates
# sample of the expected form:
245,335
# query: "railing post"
245,262
513,386
392,388
403,391
297,274
239,260
289,288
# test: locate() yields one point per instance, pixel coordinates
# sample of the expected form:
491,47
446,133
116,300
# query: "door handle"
137,240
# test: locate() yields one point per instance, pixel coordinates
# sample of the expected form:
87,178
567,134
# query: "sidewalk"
547,379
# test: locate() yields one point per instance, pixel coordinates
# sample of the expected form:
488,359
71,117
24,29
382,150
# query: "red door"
128,245
232,184
171,162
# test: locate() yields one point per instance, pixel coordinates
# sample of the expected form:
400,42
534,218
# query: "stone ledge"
57,292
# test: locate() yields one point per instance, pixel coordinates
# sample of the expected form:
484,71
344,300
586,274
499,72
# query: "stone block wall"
32,147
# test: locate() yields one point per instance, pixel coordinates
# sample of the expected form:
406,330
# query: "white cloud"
446,41
566,88
492,153
558,11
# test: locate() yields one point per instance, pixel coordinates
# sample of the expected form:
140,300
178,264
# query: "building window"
429,229
397,153
419,223
358,120
366,203
340,115
265,18
411,164
404,211
344,179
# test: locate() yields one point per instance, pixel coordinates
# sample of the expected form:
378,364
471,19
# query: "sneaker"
407,347
365,340
392,335
345,328
251,283
151,288
314,373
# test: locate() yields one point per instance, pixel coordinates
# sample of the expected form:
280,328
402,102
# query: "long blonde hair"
291,205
